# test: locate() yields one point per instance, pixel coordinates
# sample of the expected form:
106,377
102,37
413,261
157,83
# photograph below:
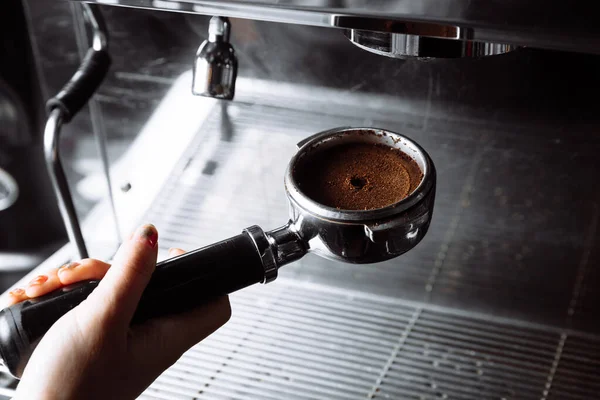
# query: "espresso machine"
192,115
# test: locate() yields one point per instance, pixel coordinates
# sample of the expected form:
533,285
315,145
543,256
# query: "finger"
43,284
16,296
169,337
56,278
88,269
117,295
173,252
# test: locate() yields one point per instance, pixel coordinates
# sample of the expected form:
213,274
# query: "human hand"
92,352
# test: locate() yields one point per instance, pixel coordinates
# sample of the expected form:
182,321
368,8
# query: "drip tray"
497,302
492,248
292,340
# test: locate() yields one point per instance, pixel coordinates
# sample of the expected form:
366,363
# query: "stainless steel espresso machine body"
496,301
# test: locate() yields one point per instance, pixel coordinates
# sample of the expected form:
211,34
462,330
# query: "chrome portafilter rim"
342,135
353,236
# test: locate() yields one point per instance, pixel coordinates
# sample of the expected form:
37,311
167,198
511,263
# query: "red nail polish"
39,280
150,234
17,292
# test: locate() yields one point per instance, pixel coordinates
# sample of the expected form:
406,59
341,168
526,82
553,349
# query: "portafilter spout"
189,280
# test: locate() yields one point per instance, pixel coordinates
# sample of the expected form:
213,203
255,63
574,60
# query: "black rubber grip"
76,93
178,284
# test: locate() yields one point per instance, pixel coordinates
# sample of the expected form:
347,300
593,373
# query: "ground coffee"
358,176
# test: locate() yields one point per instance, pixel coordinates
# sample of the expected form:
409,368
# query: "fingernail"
17,292
70,265
148,234
39,280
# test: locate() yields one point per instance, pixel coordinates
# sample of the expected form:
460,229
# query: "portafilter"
191,279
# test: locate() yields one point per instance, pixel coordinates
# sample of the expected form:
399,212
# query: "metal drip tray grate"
327,330
292,340
577,370
490,248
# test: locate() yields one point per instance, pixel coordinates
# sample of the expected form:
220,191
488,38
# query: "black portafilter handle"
177,284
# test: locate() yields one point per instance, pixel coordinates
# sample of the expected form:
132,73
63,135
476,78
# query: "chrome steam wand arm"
63,107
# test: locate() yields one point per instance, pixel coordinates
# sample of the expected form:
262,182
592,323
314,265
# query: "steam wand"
63,107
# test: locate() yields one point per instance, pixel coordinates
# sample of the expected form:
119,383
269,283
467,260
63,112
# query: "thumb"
119,292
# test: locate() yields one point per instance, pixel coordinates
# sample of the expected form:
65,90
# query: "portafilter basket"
361,236
186,281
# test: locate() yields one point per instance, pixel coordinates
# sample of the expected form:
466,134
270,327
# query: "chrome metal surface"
556,26
99,33
287,243
19,261
411,28
60,183
215,66
9,190
266,252
402,46
362,236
